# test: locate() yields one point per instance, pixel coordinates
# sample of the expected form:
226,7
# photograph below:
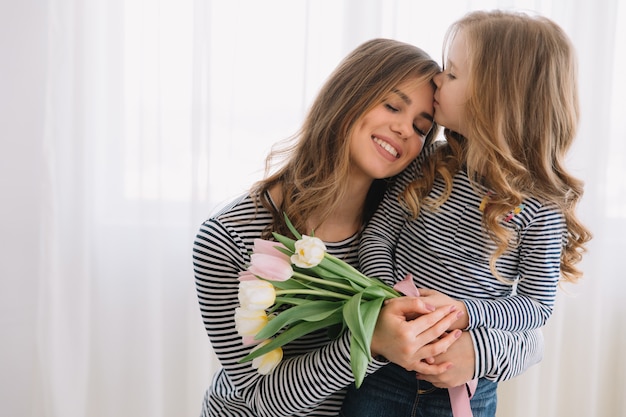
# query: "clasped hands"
423,334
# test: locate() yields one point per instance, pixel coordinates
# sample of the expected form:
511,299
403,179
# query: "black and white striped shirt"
311,378
448,250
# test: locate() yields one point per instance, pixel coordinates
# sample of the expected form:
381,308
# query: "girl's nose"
437,79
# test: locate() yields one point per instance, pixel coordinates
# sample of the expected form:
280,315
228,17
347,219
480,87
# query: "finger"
429,327
429,372
440,346
409,306
435,380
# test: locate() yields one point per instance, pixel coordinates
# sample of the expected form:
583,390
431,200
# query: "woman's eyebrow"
408,101
403,96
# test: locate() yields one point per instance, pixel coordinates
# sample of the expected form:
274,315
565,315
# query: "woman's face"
392,134
452,92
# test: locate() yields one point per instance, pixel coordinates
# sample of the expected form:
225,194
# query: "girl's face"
452,88
392,134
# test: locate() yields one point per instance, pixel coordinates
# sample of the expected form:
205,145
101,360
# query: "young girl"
369,121
487,220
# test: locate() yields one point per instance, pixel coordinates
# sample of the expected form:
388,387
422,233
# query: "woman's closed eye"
390,107
419,131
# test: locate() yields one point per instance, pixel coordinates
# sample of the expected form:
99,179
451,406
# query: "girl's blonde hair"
314,174
522,117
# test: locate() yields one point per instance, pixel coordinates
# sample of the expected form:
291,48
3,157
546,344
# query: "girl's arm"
535,262
541,233
378,242
493,354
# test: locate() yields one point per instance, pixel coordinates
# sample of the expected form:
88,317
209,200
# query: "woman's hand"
462,357
438,299
409,330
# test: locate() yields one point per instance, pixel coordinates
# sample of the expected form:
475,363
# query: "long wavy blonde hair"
522,117
314,171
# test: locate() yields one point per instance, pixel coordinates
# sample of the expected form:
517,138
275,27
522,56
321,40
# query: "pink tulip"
268,247
246,276
270,267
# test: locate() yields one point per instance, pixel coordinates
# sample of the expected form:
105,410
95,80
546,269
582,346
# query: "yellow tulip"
266,363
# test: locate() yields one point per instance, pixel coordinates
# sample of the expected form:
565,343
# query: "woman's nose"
403,128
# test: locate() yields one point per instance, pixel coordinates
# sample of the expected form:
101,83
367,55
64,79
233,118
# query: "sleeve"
297,383
539,255
378,242
502,355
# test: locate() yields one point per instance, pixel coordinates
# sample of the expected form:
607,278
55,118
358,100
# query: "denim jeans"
395,392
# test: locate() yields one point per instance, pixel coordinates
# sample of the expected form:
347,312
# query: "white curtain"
124,123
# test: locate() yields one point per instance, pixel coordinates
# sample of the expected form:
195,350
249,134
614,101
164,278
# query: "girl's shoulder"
533,210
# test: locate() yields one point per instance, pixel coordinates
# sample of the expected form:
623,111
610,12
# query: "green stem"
322,281
363,279
322,293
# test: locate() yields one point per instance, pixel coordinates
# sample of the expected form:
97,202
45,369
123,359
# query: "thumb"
425,292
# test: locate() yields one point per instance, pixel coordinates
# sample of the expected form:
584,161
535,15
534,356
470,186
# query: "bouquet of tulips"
294,287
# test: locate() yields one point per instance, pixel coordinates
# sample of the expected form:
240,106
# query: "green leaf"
374,292
299,330
310,311
369,314
289,243
352,318
290,284
360,318
290,226
358,361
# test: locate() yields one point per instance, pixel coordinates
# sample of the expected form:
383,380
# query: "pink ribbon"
459,396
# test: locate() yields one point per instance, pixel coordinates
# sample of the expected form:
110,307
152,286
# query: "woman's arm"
298,382
313,368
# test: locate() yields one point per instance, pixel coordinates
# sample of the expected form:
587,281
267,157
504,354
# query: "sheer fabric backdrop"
126,122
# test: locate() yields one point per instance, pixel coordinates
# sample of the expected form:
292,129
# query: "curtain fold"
128,121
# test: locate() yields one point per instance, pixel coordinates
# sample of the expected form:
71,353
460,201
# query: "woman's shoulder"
244,207
242,216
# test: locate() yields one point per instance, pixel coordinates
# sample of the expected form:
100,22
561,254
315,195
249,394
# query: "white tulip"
309,252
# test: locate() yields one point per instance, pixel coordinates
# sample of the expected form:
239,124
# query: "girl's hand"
408,331
439,299
462,357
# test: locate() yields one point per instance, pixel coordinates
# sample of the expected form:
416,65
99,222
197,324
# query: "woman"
369,121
